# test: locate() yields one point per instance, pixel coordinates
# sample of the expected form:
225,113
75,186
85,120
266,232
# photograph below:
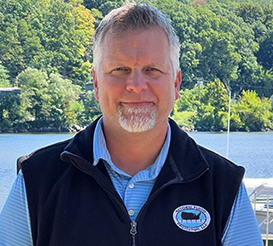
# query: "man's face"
134,80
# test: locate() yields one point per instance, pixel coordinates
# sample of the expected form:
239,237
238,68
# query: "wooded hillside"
46,51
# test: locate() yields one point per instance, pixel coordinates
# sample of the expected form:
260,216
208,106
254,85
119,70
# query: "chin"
138,120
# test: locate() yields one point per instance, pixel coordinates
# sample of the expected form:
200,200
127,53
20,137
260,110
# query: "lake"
254,151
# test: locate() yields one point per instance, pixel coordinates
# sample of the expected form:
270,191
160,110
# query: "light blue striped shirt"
134,191
241,229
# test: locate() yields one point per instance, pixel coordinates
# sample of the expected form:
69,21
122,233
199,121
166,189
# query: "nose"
136,82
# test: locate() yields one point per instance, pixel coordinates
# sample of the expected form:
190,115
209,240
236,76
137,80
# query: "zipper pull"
133,232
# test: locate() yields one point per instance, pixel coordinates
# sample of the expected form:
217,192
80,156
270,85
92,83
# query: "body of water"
254,151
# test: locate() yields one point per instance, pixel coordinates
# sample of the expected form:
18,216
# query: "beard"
134,119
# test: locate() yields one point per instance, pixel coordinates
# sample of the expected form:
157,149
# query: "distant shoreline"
62,129
76,128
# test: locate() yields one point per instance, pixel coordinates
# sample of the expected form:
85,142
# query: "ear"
177,83
95,83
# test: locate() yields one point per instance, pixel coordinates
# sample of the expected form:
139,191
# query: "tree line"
46,51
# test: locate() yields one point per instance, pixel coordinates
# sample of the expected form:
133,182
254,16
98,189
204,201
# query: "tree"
97,15
91,108
219,58
198,2
186,107
4,82
213,112
49,101
214,42
48,35
232,42
63,105
34,86
104,6
11,114
204,106
265,53
253,112
264,82
250,13
67,31
268,16
19,41
183,19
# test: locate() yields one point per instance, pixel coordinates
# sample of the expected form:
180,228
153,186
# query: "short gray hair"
134,16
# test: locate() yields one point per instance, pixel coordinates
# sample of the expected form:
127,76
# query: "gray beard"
137,119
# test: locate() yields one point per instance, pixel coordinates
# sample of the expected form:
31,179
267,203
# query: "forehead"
150,43
147,33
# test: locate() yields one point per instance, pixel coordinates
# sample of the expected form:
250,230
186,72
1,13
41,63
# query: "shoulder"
47,154
218,162
194,156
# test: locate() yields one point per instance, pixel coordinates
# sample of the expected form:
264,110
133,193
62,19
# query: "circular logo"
191,218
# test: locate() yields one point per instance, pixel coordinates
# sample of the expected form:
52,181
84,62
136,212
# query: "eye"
120,71
152,69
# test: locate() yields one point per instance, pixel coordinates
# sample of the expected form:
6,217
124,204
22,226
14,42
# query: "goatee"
137,119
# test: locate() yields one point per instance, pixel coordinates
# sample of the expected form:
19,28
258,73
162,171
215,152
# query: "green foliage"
45,45
215,99
264,81
185,119
47,35
34,85
4,82
183,19
205,107
104,6
66,33
49,101
219,39
228,47
265,53
97,15
215,42
250,12
18,39
11,114
254,112
91,108
62,101
189,99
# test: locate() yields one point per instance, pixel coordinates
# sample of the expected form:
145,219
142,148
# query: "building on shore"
4,92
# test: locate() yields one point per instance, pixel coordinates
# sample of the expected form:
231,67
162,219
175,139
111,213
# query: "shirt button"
131,186
131,212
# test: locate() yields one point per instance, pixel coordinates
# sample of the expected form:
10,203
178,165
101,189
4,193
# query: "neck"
133,152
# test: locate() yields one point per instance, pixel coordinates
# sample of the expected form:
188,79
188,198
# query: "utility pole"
229,105
228,127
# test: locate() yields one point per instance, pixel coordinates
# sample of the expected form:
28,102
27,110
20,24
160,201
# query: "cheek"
106,96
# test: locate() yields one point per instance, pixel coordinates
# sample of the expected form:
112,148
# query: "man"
132,177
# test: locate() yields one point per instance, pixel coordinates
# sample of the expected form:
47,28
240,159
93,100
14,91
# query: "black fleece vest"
73,203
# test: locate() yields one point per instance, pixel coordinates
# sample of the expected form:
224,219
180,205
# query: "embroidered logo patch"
191,218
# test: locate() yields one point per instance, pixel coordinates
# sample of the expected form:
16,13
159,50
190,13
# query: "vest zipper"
133,232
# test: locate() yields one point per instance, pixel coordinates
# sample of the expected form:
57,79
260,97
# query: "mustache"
135,97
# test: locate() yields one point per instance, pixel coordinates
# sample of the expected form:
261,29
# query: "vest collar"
184,158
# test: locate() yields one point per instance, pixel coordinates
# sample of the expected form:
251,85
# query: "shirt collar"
100,151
